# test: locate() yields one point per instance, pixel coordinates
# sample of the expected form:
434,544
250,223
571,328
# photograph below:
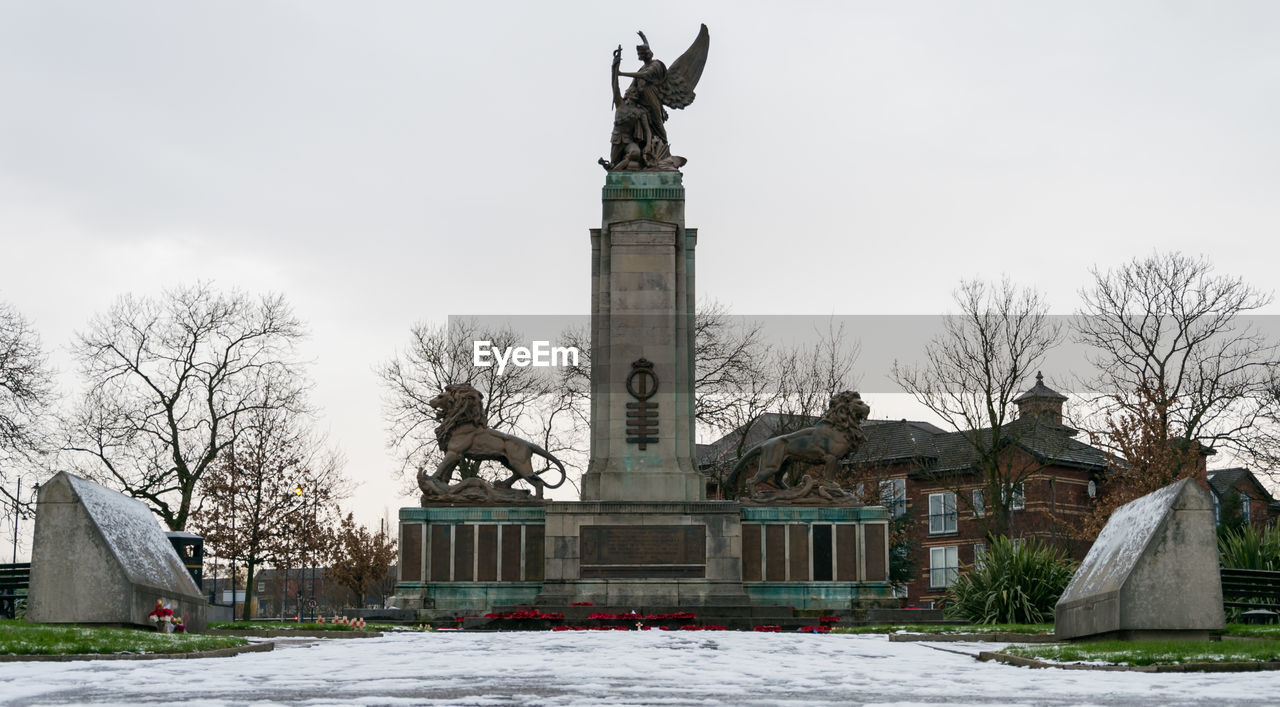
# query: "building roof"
1222,480
929,448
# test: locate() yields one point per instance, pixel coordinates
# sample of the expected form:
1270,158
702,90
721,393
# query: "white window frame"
944,566
942,509
979,503
979,555
1017,543
1246,513
893,495
1217,508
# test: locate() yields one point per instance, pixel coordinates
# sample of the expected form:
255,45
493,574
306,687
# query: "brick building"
1238,491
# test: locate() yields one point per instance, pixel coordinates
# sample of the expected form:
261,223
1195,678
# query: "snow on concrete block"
1152,572
101,557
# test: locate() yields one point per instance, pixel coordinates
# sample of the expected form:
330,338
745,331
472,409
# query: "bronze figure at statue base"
464,435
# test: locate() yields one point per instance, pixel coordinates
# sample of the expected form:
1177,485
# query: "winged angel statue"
639,141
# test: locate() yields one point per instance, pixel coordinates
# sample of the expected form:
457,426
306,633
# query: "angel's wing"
683,75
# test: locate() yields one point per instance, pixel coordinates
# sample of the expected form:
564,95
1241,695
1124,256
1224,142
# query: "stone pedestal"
644,554
100,557
642,308
1151,574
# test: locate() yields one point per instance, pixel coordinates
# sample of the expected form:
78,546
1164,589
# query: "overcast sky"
382,163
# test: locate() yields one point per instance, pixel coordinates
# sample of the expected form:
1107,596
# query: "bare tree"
731,368
1168,339
168,377
530,401
973,370
807,377
25,390
270,497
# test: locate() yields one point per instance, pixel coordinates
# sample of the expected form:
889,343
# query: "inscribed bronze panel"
751,566
533,552
510,542
877,563
846,553
798,557
441,556
411,552
464,553
775,553
487,553
643,544
822,556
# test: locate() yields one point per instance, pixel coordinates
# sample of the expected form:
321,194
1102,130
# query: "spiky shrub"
1248,548
1012,584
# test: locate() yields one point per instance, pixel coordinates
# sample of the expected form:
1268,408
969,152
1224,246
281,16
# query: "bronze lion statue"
838,433
463,433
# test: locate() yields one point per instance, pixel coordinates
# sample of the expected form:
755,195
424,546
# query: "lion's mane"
846,413
459,404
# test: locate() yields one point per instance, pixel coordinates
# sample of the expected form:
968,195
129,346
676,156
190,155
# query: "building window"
943,566
262,587
1244,507
899,591
979,555
979,503
893,495
1017,544
1017,497
942,513
1217,508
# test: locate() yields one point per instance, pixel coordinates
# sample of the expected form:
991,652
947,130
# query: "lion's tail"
735,477
551,458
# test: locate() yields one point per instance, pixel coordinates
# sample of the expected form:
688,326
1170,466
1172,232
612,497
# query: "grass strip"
1153,652
278,626
22,638
1033,629
1253,630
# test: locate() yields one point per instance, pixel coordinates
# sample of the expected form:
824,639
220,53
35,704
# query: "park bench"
14,580
1251,589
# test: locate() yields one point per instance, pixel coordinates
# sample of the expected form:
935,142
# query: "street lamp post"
18,514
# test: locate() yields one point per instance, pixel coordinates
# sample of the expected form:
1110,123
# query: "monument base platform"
684,554
688,555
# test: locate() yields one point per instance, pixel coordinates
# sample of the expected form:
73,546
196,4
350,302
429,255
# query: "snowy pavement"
615,668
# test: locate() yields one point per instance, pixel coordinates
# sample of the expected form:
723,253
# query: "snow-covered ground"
616,668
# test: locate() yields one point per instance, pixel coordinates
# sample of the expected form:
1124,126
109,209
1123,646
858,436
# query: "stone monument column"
642,327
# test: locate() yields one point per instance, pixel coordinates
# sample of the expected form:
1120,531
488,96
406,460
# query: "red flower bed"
679,616
523,615
707,627
829,619
768,629
814,629
602,617
581,603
